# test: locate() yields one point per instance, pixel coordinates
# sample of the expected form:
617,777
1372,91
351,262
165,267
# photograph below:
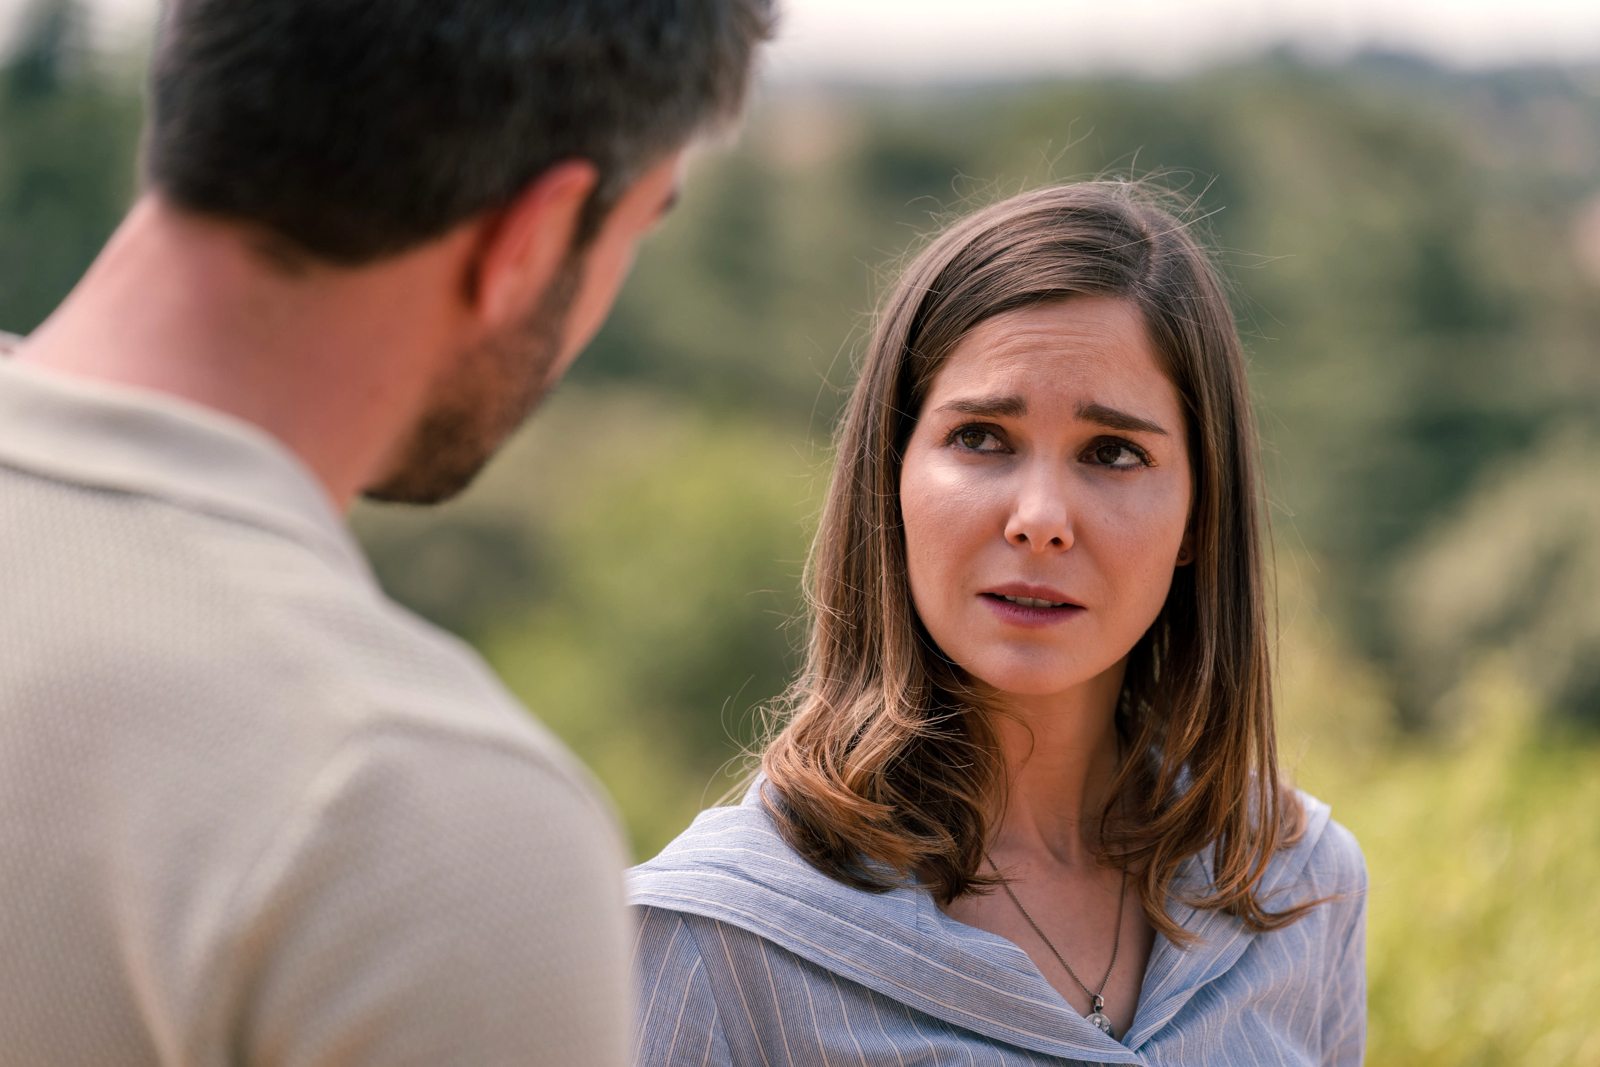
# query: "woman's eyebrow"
1113,419
1009,406
995,406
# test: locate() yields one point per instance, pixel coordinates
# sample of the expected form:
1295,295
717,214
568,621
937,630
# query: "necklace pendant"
1097,1016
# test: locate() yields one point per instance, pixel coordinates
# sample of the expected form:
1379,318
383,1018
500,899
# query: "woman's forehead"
1062,351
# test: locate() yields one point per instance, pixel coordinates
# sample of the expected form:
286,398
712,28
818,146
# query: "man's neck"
333,363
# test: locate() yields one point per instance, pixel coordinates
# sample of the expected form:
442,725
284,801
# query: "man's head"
522,343
348,131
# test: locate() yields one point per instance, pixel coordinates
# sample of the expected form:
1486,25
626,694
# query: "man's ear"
521,247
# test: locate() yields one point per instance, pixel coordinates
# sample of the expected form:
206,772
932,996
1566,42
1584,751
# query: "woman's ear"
521,248
1185,550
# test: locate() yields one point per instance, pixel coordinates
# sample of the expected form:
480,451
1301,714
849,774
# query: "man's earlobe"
522,247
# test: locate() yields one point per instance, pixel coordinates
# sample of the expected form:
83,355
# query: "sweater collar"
146,443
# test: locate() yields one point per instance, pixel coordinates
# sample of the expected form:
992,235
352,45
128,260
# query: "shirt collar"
1173,976
146,443
732,865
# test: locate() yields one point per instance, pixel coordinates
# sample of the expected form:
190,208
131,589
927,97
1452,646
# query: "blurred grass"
1484,856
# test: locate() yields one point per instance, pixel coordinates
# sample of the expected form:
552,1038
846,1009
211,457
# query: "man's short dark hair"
354,129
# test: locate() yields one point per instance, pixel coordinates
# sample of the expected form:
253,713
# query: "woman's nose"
1041,515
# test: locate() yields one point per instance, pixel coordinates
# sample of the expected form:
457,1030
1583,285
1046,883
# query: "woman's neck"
1061,756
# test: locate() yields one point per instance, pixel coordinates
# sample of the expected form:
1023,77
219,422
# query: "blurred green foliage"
1482,850
1416,259
68,131
654,610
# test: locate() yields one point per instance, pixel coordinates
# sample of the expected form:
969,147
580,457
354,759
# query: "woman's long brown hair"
886,768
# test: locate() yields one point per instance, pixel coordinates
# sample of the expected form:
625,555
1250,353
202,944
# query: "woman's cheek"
938,505
1151,520
1148,538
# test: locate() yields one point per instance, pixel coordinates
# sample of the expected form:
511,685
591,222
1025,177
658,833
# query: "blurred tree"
68,131
1512,577
472,575
1403,241
1409,293
52,36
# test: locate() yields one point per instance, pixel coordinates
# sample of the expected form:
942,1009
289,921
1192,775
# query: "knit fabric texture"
254,812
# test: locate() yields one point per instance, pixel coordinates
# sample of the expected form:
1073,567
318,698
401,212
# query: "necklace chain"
1096,999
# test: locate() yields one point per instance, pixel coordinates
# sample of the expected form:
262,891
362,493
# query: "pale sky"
915,40
895,39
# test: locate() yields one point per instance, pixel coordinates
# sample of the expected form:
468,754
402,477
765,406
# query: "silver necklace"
1097,1014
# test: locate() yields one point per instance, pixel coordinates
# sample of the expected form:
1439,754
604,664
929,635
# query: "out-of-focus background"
1406,196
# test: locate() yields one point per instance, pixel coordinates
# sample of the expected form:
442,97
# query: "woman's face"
1045,492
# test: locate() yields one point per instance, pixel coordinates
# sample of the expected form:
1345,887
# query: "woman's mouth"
1031,602
1031,611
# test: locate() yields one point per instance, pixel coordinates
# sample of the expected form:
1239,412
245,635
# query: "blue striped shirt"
747,955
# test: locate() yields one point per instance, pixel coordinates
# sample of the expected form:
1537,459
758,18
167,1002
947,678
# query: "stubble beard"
494,387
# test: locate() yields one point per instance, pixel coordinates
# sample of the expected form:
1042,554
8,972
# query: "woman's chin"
1029,685
1029,681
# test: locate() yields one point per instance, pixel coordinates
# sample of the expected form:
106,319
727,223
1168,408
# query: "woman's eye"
1118,455
975,439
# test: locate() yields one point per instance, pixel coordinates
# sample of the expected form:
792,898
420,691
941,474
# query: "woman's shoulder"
1321,861
1325,857
733,868
736,841
732,859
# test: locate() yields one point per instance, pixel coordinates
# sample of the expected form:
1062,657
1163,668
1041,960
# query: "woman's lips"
1028,591
1030,611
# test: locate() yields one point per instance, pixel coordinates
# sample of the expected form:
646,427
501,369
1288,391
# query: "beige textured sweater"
251,812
